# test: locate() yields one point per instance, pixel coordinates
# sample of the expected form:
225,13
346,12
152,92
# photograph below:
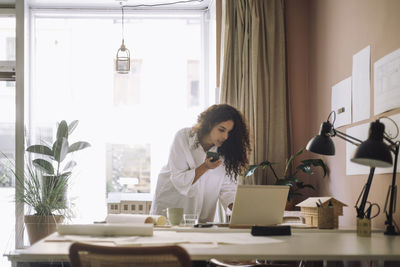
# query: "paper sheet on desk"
82,238
211,239
106,229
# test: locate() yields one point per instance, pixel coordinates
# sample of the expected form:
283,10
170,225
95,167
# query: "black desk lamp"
373,152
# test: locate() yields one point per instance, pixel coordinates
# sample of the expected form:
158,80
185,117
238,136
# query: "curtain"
253,78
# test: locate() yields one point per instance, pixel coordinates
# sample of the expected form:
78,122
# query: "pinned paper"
361,85
341,102
387,83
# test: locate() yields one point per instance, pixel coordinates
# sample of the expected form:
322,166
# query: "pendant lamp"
123,61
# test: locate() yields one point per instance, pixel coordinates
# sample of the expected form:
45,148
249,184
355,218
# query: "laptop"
262,205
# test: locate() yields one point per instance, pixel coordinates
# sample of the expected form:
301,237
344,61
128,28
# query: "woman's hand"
212,164
207,165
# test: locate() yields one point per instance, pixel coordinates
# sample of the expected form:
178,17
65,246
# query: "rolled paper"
136,218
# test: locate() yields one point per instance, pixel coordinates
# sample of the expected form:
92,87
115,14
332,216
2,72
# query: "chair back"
85,255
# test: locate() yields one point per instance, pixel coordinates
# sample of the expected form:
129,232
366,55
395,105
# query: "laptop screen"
259,205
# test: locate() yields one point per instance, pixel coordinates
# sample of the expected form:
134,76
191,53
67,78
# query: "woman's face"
220,132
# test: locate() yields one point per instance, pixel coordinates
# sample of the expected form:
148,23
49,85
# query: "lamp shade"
322,143
374,152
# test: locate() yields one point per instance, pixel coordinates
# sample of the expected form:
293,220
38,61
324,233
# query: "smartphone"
213,155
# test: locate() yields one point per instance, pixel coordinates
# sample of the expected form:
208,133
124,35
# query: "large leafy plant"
44,197
48,174
290,175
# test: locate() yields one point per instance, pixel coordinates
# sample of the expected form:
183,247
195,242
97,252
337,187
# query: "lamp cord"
122,24
395,124
334,117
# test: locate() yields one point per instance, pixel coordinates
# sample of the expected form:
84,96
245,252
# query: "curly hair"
236,149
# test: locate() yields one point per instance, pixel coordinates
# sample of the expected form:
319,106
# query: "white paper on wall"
387,83
361,85
361,132
341,102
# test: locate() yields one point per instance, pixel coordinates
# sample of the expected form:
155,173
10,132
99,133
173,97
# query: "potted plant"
45,182
290,175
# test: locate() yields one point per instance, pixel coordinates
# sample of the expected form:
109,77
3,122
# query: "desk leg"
325,263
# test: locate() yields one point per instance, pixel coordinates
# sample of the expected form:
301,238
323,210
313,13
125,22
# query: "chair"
85,255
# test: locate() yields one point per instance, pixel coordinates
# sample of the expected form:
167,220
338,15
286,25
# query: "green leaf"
253,168
265,164
72,126
40,149
69,165
292,157
316,163
302,185
291,179
65,175
78,146
43,165
283,182
305,168
54,188
60,148
62,130
309,186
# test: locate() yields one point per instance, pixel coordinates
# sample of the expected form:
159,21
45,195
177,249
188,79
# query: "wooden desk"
311,244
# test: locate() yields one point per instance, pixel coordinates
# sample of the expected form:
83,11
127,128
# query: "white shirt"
174,186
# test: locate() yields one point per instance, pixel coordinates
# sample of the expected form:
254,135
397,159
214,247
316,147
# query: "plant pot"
39,227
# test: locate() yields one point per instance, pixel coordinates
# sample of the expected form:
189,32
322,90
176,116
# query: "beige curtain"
254,77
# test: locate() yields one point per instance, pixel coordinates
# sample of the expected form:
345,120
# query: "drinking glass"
190,219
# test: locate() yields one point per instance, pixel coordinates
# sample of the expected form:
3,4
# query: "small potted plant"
290,175
45,182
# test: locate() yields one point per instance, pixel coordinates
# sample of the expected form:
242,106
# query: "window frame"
25,17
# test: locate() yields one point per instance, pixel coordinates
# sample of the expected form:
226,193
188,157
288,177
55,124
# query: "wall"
322,37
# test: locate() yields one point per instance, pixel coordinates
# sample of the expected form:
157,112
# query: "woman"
194,182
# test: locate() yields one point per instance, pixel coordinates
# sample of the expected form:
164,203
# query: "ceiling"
96,4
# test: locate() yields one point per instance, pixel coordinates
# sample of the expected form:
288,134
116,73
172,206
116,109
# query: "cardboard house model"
117,204
309,209
129,207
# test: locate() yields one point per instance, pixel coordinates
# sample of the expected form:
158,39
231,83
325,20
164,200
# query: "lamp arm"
346,137
365,192
393,190
392,145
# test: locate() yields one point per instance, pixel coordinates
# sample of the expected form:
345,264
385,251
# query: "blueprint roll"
158,220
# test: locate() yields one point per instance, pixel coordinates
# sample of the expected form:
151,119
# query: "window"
130,120
7,140
129,170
